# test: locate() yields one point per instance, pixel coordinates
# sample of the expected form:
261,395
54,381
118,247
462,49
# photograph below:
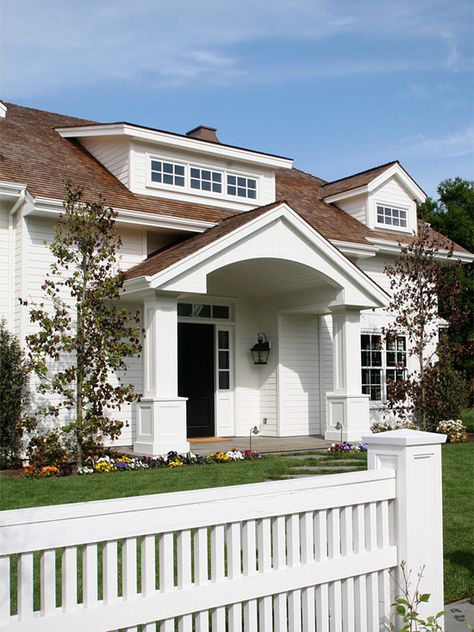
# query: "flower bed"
121,463
347,447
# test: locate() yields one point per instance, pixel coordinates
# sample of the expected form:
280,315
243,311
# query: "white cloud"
52,45
452,145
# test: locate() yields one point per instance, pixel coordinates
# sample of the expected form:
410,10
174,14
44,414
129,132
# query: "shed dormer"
383,198
194,167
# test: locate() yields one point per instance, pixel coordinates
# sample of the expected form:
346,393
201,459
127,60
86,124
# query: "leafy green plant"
83,333
407,605
13,396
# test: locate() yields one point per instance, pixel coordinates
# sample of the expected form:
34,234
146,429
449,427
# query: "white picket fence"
306,555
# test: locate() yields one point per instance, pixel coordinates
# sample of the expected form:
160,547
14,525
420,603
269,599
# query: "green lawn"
458,488
458,498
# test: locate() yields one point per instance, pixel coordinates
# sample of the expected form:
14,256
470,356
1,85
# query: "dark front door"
196,376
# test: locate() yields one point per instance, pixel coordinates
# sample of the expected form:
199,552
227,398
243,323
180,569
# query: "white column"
161,423
346,404
418,528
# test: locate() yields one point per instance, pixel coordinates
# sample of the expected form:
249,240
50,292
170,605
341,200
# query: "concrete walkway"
459,616
265,445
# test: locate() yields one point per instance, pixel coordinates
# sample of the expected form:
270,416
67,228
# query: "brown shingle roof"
167,256
355,180
33,153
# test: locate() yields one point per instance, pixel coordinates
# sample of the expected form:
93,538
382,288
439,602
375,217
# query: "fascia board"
344,195
355,250
186,143
54,207
396,170
390,247
283,210
11,189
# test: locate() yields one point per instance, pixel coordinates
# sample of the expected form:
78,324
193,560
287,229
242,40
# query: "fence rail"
312,554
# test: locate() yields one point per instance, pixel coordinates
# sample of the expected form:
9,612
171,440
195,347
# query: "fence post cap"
404,437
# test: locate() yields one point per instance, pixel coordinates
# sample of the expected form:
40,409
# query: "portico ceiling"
262,278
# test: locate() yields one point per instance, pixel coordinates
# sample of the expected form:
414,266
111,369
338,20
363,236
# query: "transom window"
381,364
391,216
241,186
206,180
198,310
167,173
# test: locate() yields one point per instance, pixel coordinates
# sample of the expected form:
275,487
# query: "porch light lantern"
261,349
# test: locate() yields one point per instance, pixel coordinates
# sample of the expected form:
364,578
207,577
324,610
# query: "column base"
352,411
161,426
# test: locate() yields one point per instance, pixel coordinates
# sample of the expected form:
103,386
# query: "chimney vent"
202,132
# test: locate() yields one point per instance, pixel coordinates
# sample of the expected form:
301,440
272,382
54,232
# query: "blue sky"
339,86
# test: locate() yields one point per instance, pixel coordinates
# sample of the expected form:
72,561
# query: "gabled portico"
281,276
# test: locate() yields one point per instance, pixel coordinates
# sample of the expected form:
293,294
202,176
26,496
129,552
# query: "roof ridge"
359,173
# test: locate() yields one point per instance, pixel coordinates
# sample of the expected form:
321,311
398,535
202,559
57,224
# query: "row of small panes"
202,179
198,310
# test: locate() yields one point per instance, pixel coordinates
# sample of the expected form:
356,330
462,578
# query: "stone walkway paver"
459,616
319,468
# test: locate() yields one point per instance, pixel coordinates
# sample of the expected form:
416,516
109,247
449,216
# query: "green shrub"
13,396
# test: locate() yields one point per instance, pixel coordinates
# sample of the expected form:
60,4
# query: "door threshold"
206,439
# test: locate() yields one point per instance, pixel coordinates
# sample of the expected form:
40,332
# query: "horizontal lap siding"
36,259
113,154
5,261
247,402
299,375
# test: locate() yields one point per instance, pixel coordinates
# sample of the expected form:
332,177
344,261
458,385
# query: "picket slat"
5,589
217,571
148,572
25,585
69,578
264,549
48,581
183,549
233,548
201,574
89,575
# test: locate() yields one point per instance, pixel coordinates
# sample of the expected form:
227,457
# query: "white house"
220,244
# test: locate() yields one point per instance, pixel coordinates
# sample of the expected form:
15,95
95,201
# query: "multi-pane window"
199,310
396,359
223,359
391,216
371,362
241,186
381,364
206,180
167,173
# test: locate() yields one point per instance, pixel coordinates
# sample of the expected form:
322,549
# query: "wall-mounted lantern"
261,349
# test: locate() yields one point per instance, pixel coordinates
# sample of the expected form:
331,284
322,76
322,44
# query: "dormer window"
241,186
206,180
389,216
166,172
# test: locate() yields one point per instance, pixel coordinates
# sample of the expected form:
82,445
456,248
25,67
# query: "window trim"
396,207
376,403
186,189
163,185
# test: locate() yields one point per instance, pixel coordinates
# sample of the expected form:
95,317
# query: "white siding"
113,154
247,398
392,193
139,178
356,206
299,375
6,260
268,323
36,262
